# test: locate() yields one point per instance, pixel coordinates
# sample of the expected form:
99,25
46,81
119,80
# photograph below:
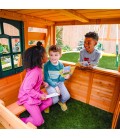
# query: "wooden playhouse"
98,87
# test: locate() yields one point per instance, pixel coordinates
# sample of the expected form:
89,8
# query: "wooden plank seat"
8,115
10,120
15,108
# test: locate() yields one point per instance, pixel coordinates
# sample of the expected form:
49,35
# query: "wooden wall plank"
89,87
37,25
96,87
116,95
99,103
9,89
105,83
36,36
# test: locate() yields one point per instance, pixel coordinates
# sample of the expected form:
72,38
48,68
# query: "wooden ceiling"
66,16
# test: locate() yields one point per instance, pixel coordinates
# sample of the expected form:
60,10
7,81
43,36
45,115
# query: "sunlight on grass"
108,55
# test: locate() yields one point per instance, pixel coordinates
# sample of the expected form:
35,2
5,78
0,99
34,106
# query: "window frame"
20,26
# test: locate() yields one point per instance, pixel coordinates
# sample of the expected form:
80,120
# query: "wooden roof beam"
21,17
92,21
76,16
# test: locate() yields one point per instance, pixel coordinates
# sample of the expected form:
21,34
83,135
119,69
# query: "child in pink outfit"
30,95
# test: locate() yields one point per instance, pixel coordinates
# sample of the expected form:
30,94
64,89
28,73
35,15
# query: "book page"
52,95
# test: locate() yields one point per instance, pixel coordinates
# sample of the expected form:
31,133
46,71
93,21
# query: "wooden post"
119,68
47,37
26,42
117,55
116,115
108,32
19,60
53,35
26,34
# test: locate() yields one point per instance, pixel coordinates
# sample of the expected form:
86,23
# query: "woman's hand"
43,97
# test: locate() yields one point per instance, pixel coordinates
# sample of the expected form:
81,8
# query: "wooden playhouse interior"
98,87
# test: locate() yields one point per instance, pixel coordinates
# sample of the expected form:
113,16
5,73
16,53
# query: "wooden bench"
10,120
15,108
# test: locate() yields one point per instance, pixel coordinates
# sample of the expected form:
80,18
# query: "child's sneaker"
47,110
63,106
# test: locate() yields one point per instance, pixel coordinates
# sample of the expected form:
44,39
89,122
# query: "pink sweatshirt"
30,89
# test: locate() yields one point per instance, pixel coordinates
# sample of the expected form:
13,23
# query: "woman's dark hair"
33,57
93,35
39,43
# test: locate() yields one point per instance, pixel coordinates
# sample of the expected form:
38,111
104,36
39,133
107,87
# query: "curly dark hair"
39,43
55,48
93,35
33,57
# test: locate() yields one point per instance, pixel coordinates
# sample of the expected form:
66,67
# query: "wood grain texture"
9,120
99,88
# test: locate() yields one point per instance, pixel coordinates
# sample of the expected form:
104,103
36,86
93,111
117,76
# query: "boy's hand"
87,67
67,76
43,97
46,84
57,90
82,67
90,67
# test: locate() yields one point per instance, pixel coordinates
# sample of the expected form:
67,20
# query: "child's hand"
90,67
67,76
57,90
46,84
87,67
43,97
82,67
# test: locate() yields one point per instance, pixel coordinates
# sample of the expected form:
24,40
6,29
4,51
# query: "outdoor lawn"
107,61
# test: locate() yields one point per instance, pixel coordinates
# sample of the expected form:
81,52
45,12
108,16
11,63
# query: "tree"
59,30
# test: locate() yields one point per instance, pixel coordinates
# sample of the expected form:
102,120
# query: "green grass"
78,116
71,57
107,62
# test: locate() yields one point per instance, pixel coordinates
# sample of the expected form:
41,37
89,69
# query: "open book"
52,95
84,63
66,70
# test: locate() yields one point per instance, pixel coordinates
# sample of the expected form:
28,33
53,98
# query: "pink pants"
35,112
